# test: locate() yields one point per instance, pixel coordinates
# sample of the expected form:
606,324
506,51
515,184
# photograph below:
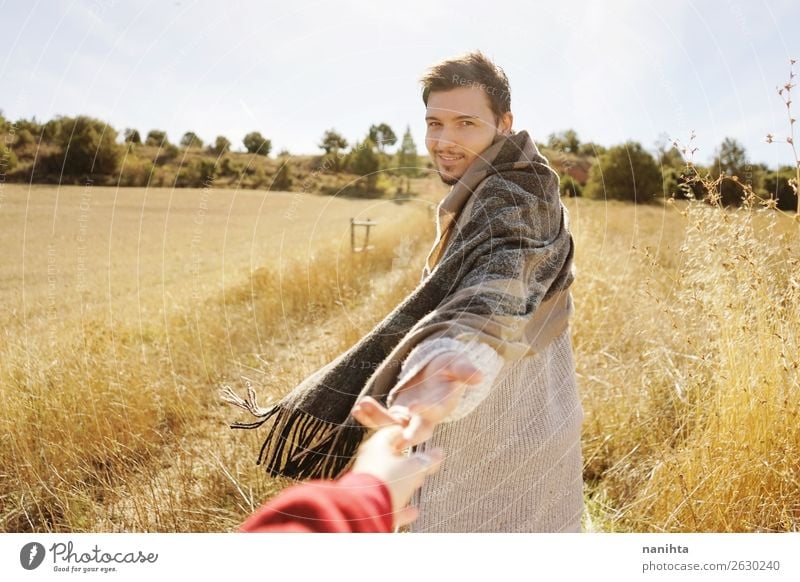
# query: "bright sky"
612,70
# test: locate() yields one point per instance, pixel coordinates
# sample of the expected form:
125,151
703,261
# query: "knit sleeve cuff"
482,356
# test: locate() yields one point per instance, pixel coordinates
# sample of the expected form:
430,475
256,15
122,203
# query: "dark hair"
470,69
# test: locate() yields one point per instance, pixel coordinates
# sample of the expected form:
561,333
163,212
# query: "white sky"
612,70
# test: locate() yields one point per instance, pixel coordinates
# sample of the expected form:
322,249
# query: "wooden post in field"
365,223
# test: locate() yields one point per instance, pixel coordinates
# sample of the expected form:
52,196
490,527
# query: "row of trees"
368,158
629,172
567,141
83,146
254,142
80,148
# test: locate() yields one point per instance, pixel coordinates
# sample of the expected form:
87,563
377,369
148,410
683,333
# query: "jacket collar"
515,151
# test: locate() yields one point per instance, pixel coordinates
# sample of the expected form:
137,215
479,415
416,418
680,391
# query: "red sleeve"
355,503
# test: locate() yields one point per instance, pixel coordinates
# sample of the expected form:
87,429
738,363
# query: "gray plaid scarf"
498,272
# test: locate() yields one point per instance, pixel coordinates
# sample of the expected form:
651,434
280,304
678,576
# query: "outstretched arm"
372,497
524,256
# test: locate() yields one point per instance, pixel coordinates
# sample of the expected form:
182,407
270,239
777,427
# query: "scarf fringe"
298,444
250,404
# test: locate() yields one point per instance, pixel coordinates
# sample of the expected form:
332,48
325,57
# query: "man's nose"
446,138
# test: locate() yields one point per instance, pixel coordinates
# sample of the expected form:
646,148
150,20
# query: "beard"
450,180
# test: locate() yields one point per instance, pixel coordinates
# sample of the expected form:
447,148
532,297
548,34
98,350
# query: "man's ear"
506,122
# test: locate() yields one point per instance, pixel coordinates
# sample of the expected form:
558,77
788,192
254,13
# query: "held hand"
381,456
425,400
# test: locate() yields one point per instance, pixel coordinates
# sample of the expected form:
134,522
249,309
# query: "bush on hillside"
625,172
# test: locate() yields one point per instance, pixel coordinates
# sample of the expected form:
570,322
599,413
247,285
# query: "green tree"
156,137
382,136
283,179
565,141
24,139
88,146
407,155
332,142
8,160
334,158
228,168
777,187
673,169
591,149
569,187
31,125
52,129
221,145
191,140
624,172
197,173
166,153
730,160
255,143
132,136
364,161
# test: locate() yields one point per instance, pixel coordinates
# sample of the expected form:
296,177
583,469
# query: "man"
514,461
491,311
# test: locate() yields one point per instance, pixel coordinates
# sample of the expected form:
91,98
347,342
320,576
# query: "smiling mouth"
450,159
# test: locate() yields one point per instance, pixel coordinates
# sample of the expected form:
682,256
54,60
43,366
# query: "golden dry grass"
688,350
686,338
99,393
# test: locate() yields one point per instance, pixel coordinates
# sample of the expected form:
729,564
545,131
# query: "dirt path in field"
207,479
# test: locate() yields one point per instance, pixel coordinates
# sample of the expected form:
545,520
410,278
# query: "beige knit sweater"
513,460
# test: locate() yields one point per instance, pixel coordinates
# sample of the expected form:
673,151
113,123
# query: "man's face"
461,126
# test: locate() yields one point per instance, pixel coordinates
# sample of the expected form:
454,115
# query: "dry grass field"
124,312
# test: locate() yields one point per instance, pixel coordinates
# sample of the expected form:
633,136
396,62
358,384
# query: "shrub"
625,172
255,143
364,161
565,141
196,174
52,129
332,142
229,168
382,135
132,136
166,154
136,172
24,139
8,159
156,137
731,160
407,160
87,146
283,179
777,187
570,187
221,145
191,140
591,149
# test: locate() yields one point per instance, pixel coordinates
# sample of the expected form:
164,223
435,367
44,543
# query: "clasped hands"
424,401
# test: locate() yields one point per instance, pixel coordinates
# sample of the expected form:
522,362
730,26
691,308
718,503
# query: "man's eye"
466,122
432,123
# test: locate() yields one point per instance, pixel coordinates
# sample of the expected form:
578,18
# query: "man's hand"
424,401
